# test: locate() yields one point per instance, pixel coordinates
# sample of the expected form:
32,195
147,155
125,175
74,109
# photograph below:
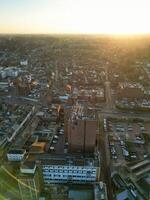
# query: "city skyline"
67,16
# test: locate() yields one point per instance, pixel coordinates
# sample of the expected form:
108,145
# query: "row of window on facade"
69,167
59,177
69,171
62,175
66,180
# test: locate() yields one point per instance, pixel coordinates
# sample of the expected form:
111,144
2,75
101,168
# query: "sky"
75,16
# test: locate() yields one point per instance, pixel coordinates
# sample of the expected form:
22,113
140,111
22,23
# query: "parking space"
58,143
126,141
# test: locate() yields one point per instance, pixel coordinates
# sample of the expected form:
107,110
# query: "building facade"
16,154
28,182
81,131
62,171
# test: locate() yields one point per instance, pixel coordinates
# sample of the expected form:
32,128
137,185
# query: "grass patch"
8,186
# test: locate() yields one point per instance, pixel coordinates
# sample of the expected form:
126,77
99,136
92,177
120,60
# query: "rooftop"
16,151
80,112
67,160
28,165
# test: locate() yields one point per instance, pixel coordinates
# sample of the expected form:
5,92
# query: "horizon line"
87,34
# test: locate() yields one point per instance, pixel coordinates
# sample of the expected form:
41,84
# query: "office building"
82,128
70,169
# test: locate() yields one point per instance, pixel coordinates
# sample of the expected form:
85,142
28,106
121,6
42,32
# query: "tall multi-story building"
82,128
28,181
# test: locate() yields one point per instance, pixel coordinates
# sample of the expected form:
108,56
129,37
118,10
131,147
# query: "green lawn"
8,186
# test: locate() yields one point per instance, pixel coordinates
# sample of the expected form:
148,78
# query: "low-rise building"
73,170
28,167
28,181
100,191
130,91
16,154
38,147
126,194
23,62
9,72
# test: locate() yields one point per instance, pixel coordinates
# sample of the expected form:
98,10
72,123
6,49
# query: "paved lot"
59,147
121,136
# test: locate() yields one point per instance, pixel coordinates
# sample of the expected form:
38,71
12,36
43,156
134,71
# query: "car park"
54,141
133,155
145,156
61,131
122,143
52,148
114,157
55,137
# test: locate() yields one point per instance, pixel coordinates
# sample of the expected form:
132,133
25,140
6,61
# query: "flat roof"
68,162
39,144
124,195
28,165
16,151
54,162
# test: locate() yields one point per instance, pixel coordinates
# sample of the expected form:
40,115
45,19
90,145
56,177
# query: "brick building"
81,130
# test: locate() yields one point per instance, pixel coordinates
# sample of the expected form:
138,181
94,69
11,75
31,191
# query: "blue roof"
123,195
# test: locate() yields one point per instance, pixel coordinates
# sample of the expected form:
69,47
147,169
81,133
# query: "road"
105,112
108,96
103,146
105,174
118,114
20,101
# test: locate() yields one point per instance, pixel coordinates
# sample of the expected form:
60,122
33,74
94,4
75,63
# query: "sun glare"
112,17
80,16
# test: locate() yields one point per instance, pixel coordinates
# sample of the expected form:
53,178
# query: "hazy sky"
74,16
